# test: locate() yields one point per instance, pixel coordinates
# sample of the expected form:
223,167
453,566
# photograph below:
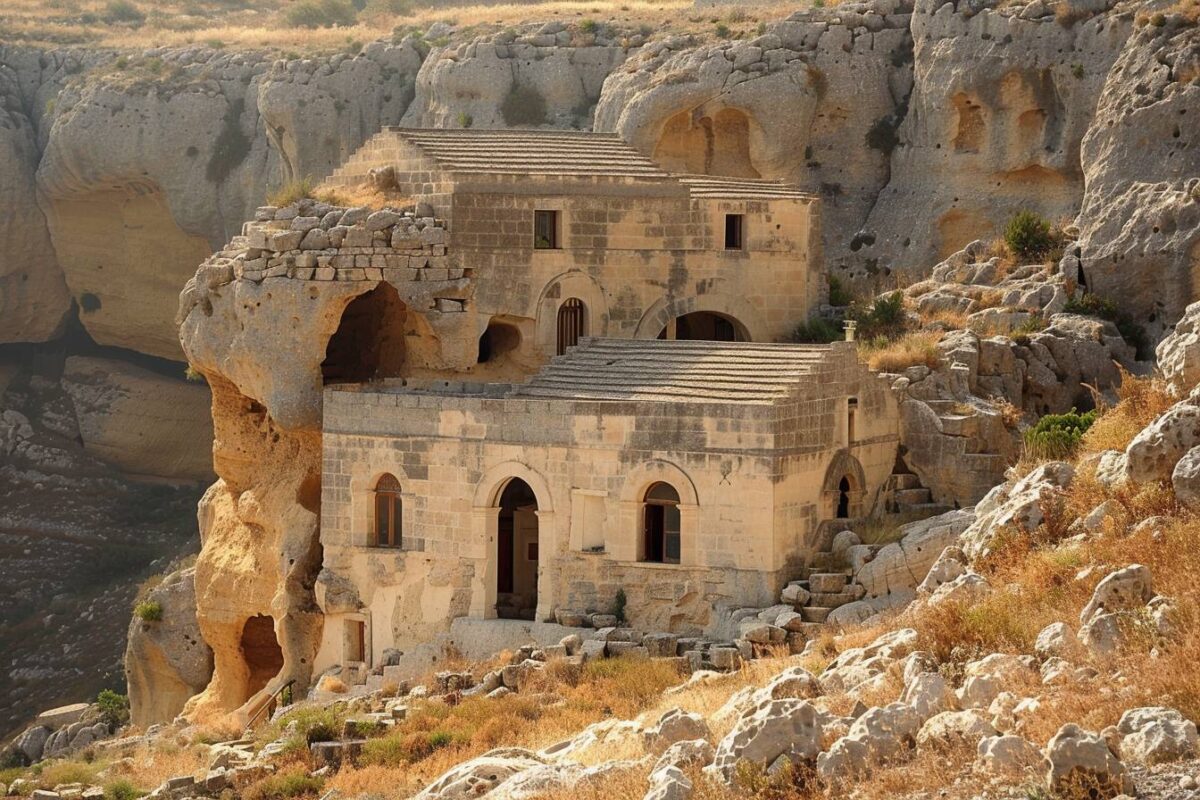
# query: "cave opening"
369,340
261,652
498,339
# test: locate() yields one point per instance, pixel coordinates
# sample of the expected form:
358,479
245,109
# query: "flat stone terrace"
677,371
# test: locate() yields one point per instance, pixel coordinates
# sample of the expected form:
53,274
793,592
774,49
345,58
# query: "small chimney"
850,326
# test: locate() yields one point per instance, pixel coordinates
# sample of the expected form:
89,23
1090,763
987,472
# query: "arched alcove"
369,340
716,144
261,652
707,326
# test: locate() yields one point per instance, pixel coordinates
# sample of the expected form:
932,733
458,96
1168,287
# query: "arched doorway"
843,503
708,326
517,552
572,324
261,652
369,340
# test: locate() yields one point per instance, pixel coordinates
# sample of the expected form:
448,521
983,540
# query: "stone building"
697,477
550,235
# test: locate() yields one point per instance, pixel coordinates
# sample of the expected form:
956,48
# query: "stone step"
815,613
905,480
827,582
913,497
837,599
826,563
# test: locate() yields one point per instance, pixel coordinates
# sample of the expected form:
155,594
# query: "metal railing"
280,697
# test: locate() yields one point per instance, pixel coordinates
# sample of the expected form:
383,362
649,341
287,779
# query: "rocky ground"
76,540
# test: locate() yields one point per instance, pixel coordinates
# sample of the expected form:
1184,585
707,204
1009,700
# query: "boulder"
1185,479
929,694
1156,735
167,660
952,729
690,753
480,775
1154,452
1124,590
1007,756
674,726
777,728
1054,640
1080,764
669,783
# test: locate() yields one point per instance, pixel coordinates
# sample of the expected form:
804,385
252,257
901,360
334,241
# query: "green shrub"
408,748
722,30
815,330
123,11
589,26
320,13
839,295
1057,435
387,7
193,375
122,790
1028,236
114,708
884,317
620,600
465,120
524,106
149,611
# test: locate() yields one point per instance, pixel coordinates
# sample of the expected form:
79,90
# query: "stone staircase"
824,586
907,497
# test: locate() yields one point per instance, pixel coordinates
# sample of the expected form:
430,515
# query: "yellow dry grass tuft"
895,355
1141,400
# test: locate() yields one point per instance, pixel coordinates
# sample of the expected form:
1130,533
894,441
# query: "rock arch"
725,304
707,143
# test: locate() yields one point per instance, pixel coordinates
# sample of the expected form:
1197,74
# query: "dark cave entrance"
261,651
369,341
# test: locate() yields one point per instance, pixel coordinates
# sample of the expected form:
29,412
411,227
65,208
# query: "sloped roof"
722,188
676,371
522,152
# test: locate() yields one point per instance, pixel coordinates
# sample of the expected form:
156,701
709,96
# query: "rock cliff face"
1140,221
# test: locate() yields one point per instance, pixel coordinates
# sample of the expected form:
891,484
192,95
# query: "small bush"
293,783
884,317
1058,435
839,295
722,30
1028,236
114,708
122,790
815,330
123,11
387,7
192,375
618,605
465,120
149,611
320,14
524,106
589,26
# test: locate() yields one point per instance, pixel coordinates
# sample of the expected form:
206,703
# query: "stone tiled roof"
523,152
676,371
721,188
573,154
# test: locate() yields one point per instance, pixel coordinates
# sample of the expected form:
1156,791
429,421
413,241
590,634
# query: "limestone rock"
1178,354
899,568
1054,640
1124,590
1156,735
166,661
674,726
953,728
480,775
669,783
1079,761
694,752
1185,479
929,694
1021,506
141,422
777,728
1007,756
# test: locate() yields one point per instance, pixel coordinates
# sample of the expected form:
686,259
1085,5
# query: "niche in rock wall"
497,341
707,145
369,341
969,127
1030,115
261,652
959,227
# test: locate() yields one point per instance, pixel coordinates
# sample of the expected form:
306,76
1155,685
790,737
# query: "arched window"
572,323
388,531
661,525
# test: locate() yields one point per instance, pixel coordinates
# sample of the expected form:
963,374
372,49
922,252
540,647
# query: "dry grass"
911,349
948,319
1141,400
242,24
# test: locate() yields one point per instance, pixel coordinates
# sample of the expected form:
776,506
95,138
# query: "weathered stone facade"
756,441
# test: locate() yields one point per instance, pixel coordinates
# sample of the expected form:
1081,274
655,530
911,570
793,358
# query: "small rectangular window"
851,412
735,231
545,230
